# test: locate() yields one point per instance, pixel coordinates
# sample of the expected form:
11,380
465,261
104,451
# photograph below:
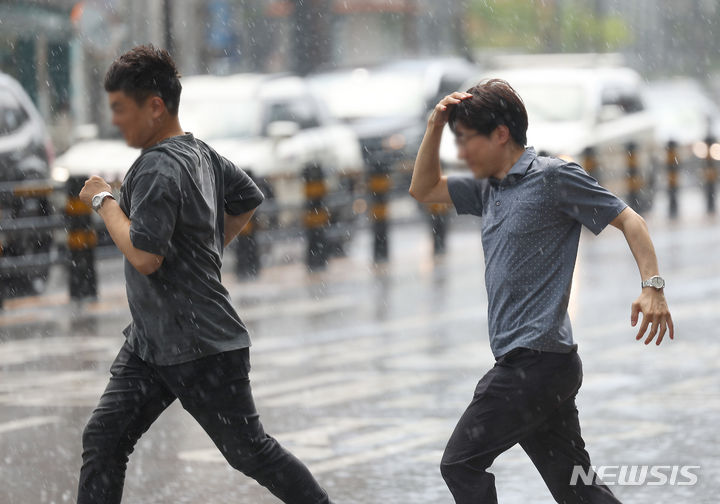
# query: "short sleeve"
581,197
155,199
241,194
466,194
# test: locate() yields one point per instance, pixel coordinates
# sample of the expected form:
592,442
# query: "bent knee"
454,469
248,455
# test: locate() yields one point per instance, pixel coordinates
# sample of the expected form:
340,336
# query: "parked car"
109,158
387,104
273,127
684,113
26,155
269,125
572,109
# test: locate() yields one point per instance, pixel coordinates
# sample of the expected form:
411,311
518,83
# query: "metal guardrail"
316,221
50,222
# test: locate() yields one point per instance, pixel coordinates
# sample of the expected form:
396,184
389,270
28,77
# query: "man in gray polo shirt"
532,211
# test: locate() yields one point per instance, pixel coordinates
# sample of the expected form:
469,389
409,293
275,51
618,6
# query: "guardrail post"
82,240
2,286
633,178
710,175
379,184
317,217
673,177
590,161
438,220
247,264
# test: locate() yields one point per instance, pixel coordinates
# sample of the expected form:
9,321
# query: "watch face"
657,282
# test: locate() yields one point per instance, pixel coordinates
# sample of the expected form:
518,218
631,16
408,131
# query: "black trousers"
215,390
528,397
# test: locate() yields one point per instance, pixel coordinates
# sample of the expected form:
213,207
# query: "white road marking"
375,454
26,423
345,442
364,388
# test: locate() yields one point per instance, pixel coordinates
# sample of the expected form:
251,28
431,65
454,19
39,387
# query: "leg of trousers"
215,390
132,401
528,397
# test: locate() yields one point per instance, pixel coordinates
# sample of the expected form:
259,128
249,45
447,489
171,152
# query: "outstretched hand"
441,113
656,316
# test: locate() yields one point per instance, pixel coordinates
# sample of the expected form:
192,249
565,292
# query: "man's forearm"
118,226
427,172
234,224
638,238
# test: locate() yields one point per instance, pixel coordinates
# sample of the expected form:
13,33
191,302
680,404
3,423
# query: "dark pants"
528,397
215,390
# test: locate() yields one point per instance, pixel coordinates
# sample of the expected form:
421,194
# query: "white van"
573,109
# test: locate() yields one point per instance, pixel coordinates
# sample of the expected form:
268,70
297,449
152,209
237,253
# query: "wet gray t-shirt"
175,196
531,223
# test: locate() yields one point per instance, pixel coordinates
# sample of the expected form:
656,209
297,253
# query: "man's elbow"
418,195
413,192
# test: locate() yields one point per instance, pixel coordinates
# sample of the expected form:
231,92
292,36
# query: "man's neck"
171,129
510,157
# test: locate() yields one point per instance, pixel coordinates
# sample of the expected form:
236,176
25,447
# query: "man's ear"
502,133
157,106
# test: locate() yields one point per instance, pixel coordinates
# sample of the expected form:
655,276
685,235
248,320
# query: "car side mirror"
279,130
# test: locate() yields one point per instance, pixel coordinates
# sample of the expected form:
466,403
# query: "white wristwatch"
654,281
97,200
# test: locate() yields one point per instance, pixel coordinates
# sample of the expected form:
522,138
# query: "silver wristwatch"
97,200
654,281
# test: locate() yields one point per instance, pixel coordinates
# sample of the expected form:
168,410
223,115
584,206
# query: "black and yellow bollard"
589,162
317,217
438,221
379,184
81,242
673,174
710,176
247,264
633,178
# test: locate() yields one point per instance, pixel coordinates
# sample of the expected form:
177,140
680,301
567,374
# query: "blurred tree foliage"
545,26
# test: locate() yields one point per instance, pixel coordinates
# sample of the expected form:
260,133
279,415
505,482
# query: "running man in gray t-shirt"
532,209
180,205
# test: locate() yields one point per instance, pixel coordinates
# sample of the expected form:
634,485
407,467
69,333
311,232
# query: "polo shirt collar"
519,169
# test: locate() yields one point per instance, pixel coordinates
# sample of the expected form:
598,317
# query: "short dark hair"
144,71
494,102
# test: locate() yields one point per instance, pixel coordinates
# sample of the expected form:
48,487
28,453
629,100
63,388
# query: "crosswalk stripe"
26,423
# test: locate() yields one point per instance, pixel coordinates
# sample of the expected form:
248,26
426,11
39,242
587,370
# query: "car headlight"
60,174
715,151
396,141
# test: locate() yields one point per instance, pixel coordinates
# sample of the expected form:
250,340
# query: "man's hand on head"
441,113
93,186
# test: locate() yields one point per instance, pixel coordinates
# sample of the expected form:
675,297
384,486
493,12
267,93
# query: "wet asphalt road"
362,372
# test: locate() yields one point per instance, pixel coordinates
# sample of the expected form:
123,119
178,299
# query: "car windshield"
364,94
552,102
213,119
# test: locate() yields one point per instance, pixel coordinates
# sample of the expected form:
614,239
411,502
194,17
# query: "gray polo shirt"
176,195
531,223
